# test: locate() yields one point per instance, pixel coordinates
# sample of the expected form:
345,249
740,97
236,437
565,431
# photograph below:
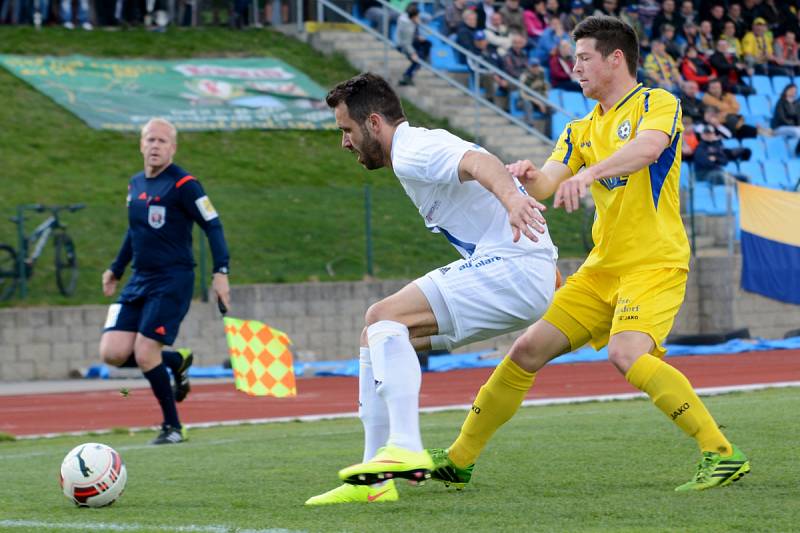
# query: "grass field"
292,202
586,467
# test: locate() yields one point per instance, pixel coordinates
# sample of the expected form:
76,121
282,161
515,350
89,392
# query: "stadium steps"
436,97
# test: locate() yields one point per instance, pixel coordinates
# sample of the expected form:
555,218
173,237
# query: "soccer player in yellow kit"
627,151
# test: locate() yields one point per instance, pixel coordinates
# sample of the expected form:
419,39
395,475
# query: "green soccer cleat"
182,385
390,462
714,470
447,472
347,493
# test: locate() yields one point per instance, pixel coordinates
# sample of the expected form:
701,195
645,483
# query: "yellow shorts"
592,306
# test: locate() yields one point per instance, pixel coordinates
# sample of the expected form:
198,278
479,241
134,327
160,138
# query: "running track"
53,413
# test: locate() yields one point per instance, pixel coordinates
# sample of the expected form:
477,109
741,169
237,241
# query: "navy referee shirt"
161,211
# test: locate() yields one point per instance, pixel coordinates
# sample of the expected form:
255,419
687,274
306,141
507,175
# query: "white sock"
371,408
395,364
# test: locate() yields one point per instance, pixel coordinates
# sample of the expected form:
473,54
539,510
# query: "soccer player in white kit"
504,281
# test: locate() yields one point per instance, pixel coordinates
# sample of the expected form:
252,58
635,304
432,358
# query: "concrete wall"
325,320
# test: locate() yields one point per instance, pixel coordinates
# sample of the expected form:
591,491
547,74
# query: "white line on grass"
706,391
111,526
200,443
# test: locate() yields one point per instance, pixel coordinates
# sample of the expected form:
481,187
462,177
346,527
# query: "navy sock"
130,362
162,390
173,360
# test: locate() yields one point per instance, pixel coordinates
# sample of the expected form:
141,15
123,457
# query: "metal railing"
729,180
479,65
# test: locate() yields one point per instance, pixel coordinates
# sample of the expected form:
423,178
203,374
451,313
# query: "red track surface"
37,414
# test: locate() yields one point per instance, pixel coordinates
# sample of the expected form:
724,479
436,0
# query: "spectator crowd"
708,53
712,54
154,14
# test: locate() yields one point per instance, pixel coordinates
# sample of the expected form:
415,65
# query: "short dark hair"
365,94
611,34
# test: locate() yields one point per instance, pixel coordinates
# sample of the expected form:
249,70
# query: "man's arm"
540,183
114,273
524,212
199,207
635,155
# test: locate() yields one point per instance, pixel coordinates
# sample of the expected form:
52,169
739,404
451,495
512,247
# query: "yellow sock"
496,403
672,393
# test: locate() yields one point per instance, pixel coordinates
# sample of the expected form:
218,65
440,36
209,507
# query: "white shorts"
483,297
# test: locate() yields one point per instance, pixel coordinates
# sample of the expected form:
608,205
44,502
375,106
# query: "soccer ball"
93,475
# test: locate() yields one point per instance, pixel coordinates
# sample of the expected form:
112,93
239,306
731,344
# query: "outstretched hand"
525,217
571,191
524,170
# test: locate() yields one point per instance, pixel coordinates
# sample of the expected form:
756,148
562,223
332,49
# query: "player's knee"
377,312
113,355
527,353
621,357
147,352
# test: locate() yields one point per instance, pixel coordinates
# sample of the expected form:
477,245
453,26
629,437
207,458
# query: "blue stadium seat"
701,200
775,174
793,174
779,83
762,85
732,167
704,202
731,143
743,107
756,145
757,120
793,170
719,195
515,110
443,57
554,96
759,104
753,170
574,102
559,122
686,171
776,148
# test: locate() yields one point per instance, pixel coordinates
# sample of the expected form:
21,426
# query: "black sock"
130,362
162,390
173,360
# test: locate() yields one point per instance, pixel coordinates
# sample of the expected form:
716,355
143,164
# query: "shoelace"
705,467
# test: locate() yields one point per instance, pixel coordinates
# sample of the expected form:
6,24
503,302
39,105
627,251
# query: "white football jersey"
470,216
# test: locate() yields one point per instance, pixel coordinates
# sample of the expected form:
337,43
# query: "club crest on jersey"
624,130
156,216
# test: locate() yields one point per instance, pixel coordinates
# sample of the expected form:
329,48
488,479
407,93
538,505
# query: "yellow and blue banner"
770,224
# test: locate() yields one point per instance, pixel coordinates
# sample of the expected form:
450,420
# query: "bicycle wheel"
66,264
8,271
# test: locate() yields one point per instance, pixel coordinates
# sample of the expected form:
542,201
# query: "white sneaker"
87,26
69,25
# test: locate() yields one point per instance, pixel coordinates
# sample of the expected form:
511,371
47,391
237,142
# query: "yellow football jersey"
638,224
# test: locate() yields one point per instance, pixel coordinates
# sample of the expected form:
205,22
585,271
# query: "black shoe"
406,81
182,385
169,435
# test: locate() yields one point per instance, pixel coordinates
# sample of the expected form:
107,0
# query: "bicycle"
14,264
